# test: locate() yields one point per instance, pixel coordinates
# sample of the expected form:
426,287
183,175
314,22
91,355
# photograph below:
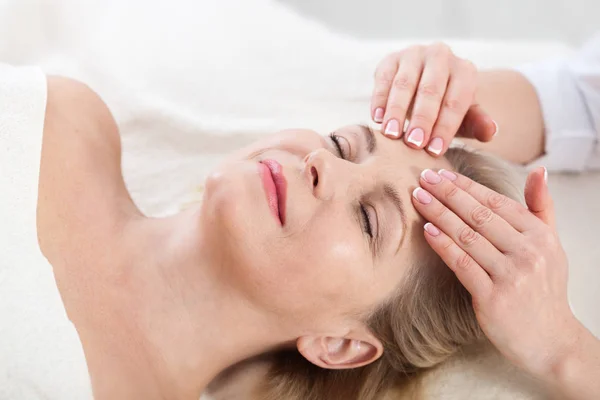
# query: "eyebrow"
369,138
393,196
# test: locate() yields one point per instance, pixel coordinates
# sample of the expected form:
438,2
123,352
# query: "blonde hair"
429,319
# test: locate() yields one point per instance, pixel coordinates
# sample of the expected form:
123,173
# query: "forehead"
395,161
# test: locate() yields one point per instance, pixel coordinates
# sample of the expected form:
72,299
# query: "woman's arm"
577,375
511,100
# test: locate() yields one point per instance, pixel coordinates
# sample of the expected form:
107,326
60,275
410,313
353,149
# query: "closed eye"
362,213
336,142
366,221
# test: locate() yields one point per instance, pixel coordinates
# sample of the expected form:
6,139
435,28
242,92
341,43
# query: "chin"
234,207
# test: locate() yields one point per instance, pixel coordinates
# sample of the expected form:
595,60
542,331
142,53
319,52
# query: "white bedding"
188,81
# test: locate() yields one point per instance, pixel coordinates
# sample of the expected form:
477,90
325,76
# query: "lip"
275,186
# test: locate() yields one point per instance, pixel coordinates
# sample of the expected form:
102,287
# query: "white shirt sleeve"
569,94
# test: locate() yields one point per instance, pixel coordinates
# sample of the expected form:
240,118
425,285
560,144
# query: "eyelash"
366,222
336,142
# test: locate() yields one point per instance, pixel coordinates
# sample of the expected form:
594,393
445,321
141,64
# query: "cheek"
323,269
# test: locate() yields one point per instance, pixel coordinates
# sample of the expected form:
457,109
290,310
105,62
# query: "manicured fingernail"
431,229
430,176
497,129
378,117
392,128
447,174
416,137
422,196
436,145
545,175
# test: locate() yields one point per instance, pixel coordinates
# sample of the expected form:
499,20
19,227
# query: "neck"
181,325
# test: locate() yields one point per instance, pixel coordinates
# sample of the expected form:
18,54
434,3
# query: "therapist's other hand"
435,91
511,261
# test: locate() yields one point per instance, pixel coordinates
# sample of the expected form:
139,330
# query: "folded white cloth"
40,353
569,93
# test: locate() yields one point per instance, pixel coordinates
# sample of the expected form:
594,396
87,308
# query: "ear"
356,349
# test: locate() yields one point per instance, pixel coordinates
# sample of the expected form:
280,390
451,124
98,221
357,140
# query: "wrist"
571,370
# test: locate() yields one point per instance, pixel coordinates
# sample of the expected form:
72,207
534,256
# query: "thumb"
537,196
477,124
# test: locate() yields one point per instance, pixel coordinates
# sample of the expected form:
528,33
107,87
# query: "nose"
327,174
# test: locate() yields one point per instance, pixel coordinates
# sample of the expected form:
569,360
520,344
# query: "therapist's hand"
510,259
435,91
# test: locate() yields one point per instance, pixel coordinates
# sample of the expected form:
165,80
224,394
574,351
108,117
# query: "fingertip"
378,115
487,130
431,229
416,138
392,129
496,128
436,147
480,125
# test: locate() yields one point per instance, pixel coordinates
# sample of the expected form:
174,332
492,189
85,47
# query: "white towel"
40,354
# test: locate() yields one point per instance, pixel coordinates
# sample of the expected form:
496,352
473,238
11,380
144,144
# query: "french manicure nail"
422,196
497,129
392,128
416,137
378,117
436,145
432,229
545,175
430,176
447,174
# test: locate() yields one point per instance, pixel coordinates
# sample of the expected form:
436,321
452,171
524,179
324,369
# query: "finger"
384,76
479,217
477,124
537,196
428,98
402,93
469,273
478,247
456,102
510,210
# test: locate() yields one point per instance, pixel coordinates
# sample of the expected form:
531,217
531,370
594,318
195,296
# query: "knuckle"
467,184
463,262
381,92
416,50
467,236
450,191
470,67
497,201
481,215
384,76
403,82
549,239
421,118
443,129
528,256
439,212
430,90
453,104
440,48
396,109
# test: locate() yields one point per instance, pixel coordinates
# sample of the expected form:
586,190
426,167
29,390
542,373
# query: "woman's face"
311,234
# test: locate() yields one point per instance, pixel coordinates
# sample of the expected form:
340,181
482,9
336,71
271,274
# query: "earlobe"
339,353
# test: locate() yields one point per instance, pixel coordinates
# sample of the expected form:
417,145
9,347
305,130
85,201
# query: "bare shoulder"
80,184
71,102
